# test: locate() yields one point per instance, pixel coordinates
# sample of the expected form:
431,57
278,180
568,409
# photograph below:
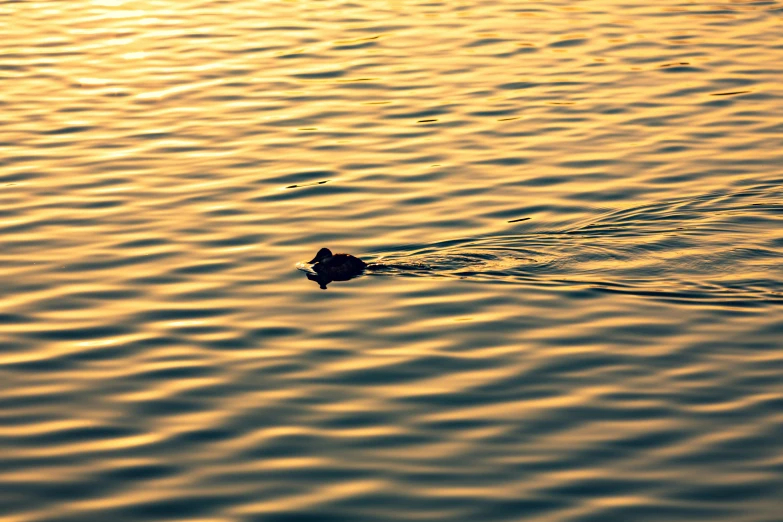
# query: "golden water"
582,199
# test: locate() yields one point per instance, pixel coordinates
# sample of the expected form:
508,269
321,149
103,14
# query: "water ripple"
579,207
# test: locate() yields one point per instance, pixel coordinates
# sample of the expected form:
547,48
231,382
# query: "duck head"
322,255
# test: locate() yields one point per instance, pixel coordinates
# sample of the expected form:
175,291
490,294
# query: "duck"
336,267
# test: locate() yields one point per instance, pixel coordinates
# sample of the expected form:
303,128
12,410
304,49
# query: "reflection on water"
575,211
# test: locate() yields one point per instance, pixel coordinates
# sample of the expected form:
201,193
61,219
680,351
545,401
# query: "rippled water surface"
580,209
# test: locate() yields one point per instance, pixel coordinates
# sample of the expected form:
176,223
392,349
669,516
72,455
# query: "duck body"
336,267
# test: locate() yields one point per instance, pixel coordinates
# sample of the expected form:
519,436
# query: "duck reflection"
324,280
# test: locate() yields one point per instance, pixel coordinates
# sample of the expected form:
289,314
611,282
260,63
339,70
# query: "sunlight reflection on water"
578,210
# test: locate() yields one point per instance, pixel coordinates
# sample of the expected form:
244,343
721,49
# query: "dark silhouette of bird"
327,267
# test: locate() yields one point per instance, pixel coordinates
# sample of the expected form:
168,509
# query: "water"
582,201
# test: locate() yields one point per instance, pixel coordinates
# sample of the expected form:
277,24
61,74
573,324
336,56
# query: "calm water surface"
587,196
